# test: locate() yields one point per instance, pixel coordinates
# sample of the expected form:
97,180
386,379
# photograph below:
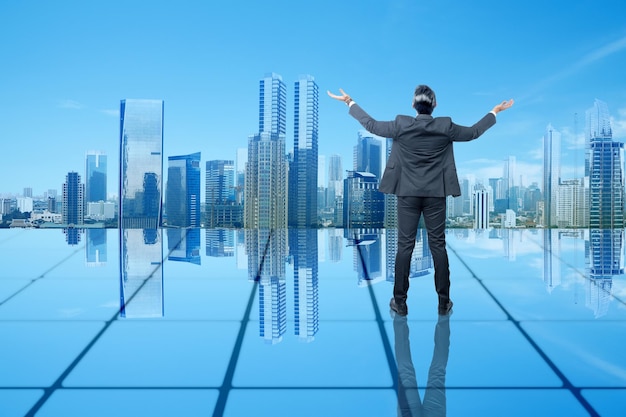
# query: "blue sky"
67,64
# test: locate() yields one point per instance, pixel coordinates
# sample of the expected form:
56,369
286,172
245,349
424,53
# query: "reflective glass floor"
297,323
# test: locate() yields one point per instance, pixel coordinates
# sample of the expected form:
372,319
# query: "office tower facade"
335,177
391,201
182,198
221,195
508,177
266,182
95,177
183,190
303,173
73,200
606,170
467,192
573,207
141,163
481,206
364,205
367,154
266,170
272,104
551,175
28,192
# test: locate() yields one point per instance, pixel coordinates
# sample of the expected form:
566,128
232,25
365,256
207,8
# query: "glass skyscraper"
551,175
367,154
606,170
141,163
95,177
266,170
221,195
303,171
182,199
73,200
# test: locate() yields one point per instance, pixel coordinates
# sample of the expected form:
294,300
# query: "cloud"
618,125
589,59
70,104
109,112
482,169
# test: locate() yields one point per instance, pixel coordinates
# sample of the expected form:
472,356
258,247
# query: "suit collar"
424,117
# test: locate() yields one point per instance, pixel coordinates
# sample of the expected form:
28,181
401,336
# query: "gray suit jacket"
421,162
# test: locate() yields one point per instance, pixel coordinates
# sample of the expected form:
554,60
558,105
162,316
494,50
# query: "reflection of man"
421,172
409,402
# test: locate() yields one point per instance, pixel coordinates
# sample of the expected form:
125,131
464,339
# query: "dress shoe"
400,309
445,309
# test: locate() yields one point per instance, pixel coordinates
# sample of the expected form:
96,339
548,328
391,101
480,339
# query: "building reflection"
303,253
72,235
220,243
267,252
367,255
141,273
421,258
96,247
604,256
551,259
184,245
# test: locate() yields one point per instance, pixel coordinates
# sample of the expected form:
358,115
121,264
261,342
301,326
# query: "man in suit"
421,172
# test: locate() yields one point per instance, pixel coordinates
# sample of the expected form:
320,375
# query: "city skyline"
69,70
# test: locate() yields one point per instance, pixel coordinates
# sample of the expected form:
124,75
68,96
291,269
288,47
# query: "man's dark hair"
424,100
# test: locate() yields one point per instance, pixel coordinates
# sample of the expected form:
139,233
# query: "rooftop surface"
234,323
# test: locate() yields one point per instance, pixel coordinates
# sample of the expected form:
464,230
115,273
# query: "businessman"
421,172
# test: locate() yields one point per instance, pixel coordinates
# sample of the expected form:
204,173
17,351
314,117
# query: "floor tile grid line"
58,383
227,384
581,273
391,361
567,384
43,274
10,237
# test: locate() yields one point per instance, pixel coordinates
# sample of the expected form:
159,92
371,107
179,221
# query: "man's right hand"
502,106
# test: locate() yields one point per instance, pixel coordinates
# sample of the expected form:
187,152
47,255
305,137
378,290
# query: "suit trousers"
410,210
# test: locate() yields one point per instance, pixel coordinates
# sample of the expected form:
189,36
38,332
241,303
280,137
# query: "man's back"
421,162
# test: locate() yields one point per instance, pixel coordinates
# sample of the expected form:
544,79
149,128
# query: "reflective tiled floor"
251,323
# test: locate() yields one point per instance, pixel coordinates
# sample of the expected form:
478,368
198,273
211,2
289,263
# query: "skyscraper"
95,177
182,198
364,205
141,163
481,206
266,171
222,207
303,170
391,201
367,154
606,170
272,104
73,200
508,176
551,175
